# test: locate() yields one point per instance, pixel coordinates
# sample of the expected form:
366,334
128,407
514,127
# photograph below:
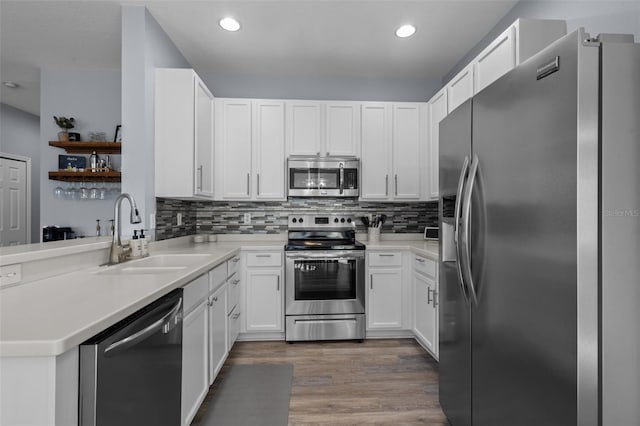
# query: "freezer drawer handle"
324,321
466,230
163,323
456,232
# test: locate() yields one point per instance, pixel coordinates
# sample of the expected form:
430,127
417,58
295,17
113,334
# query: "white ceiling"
312,37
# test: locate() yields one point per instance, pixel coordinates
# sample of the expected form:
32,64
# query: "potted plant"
65,124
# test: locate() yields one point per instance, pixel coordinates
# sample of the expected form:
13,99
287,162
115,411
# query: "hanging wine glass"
58,191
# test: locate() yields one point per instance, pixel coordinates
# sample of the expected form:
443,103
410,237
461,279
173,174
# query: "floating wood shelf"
73,147
86,176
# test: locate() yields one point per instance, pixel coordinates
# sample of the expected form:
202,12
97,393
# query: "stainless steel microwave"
323,177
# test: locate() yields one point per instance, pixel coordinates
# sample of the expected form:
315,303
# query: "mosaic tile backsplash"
222,217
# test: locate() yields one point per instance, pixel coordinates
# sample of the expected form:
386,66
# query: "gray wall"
145,46
595,16
20,135
92,97
226,85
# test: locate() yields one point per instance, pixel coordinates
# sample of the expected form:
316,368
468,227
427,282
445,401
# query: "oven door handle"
336,256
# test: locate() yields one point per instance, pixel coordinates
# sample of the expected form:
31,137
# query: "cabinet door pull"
429,295
248,182
386,255
396,185
235,259
215,299
200,178
278,283
263,255
386,185
235,282
258,183
371,282
419,259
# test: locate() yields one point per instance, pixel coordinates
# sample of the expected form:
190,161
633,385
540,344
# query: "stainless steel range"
324,279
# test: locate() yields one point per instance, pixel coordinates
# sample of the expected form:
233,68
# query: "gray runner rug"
255,394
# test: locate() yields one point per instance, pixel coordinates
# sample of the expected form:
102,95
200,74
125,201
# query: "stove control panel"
320,221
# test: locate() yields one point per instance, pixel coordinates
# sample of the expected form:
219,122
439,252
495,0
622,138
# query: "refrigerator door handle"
466,230
456,232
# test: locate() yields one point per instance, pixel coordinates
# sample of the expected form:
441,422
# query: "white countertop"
50,316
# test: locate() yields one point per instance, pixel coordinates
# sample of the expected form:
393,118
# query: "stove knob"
342,220
300,220
294,220
336,220
349,220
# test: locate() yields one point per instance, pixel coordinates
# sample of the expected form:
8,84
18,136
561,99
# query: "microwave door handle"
341,178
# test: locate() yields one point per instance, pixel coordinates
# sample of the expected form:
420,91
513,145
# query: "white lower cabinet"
264,292
217,331
233,319
425,304
264,300
384,291
195,347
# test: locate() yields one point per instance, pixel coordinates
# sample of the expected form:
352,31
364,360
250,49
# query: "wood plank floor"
389,381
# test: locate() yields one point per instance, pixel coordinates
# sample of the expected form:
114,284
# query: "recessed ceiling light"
405,31
10,84
229,24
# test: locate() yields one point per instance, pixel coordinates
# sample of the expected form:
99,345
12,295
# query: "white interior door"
14,214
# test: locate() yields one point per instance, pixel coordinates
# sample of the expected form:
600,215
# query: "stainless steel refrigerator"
540,226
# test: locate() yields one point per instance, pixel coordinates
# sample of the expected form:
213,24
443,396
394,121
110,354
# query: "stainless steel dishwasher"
130,374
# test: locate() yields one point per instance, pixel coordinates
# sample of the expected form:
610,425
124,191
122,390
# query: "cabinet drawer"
233,291
217,277
233,265
195,291
264,259
424,266
385,259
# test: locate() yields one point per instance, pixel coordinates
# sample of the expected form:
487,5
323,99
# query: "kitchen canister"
374,234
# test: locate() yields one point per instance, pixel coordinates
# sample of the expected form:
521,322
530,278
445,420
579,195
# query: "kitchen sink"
158,264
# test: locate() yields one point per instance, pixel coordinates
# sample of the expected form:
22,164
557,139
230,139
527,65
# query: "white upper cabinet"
460,88
393,147
250,147
375,166
437,111
495,60
304,127
269,150
183,135
520,41
204,140
342,128
524,38
233,144
408,141
323,128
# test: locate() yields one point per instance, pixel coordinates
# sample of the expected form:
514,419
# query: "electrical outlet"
247,218
179,219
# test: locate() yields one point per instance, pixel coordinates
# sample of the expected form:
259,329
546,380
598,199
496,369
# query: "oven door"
324,282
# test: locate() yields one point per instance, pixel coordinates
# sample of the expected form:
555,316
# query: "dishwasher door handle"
163,323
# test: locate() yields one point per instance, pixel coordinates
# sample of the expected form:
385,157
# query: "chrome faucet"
118,253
